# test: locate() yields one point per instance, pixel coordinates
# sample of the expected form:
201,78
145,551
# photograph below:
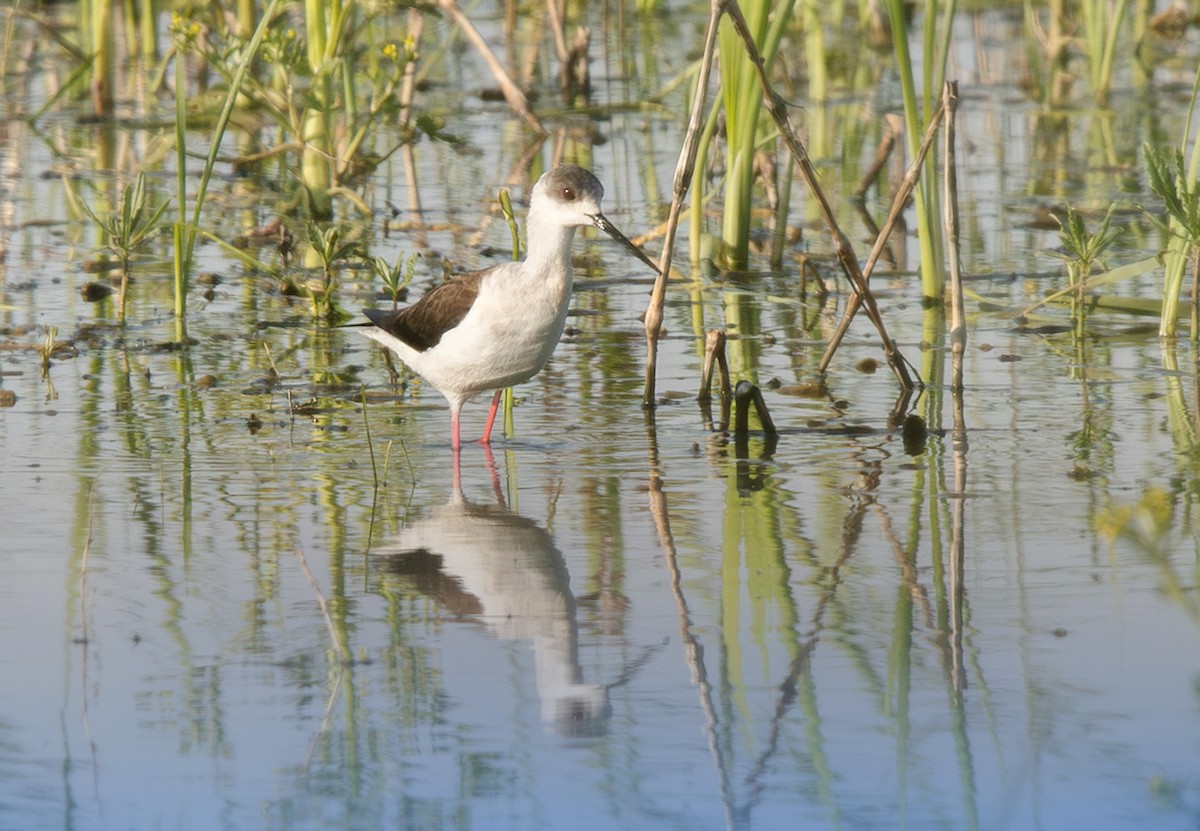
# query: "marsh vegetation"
242,590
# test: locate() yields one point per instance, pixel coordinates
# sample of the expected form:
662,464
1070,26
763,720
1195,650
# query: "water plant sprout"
127,228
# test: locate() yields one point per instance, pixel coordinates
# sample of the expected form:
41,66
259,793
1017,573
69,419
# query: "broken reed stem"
683,177
958,346
911,176
842,247
714,353
958,320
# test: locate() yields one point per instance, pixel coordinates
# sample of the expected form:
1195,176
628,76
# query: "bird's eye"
568,194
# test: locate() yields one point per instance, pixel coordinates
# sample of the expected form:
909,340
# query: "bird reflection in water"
488,564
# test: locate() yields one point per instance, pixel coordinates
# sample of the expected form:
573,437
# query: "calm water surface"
242,602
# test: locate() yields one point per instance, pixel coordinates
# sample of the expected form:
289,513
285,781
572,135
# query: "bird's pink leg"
491,419
455,441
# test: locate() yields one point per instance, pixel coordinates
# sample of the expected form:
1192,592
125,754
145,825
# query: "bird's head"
569,196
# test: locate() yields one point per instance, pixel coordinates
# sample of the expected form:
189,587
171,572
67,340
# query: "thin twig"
898,202
958,346
558,30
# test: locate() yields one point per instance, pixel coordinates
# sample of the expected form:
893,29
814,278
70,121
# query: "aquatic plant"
1176,185
187,40
46,348
1082,251
917,114
127,229
396,276
686,169
325,87
329,246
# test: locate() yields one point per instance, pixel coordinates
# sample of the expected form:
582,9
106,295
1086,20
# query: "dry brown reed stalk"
958,320
714,354
558,30
683,177
408,87
512,93
898,202
958,346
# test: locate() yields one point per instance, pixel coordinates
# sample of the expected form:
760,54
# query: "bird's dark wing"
443,307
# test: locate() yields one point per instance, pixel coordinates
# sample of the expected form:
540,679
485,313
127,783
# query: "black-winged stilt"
498,327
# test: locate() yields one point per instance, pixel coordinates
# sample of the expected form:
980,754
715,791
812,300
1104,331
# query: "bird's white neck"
548,245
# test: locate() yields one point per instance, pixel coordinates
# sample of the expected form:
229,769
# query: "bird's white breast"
510,332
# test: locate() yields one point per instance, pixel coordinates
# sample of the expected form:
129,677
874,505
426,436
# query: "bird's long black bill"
601,222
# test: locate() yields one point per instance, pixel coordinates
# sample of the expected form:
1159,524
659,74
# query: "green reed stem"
1180,191
179,231
916,115
148,29
235,85
99,14
367,431
507,210
1101,27
698,181
324,21
743,105
506,400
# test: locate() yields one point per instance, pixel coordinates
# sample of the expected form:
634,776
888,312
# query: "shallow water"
247,601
